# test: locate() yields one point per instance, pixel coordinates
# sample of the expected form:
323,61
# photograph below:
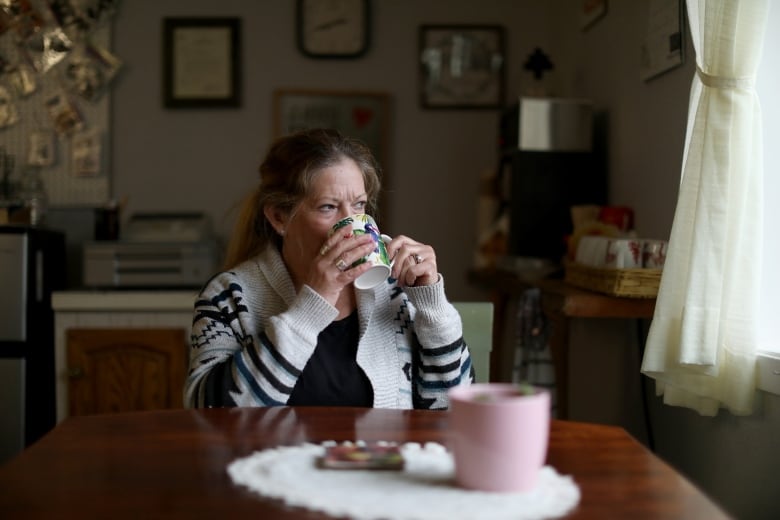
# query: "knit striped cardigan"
252,335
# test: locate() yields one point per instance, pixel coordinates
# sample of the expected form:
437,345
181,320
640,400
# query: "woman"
284,325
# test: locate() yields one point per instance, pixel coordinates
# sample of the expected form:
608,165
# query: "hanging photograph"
88,71
64,115
201,60
85,154
462,66
46,48
362,115
662,48
8,111
78,18
41,148
22,77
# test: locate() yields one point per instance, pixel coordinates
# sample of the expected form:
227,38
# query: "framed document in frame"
201,62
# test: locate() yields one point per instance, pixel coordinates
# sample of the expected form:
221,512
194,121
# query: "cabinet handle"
75,373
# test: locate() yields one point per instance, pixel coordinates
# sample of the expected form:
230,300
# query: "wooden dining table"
172,464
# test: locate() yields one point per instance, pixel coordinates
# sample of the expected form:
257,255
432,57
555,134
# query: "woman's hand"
331,270
414,263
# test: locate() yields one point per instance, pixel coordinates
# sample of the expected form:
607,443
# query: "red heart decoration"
362,116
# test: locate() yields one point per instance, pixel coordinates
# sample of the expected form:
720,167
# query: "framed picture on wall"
362,115
663,46
462,66
201,62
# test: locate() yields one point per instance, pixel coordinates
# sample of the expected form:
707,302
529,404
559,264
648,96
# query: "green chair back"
477,318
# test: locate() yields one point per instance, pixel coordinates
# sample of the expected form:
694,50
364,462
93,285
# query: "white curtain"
701,347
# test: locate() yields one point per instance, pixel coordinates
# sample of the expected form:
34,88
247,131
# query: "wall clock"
333,28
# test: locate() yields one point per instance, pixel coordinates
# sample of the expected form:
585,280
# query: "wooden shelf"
560,301
572,301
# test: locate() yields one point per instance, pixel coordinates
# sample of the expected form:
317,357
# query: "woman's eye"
327,207
361,204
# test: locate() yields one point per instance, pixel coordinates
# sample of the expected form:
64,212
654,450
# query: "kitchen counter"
127,300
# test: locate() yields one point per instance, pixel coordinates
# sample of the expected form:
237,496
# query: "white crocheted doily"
425,489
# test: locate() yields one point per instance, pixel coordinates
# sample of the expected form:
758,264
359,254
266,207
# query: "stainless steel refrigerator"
32,265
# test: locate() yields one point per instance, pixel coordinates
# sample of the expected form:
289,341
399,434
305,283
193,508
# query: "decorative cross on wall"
538,62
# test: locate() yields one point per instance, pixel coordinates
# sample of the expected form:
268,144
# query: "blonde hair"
286,177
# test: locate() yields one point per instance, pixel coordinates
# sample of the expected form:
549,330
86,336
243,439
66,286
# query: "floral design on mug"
654,254
369,228
623,253
636,251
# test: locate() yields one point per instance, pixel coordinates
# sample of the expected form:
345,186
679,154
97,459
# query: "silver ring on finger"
417,258
341,265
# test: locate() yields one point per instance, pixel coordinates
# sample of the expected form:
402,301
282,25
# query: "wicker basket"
630,283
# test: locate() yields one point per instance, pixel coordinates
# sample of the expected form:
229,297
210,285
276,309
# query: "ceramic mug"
363,224
654,254
499,434
624,253
592,250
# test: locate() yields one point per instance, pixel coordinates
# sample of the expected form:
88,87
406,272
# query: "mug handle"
386,239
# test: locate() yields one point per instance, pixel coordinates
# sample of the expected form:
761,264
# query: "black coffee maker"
552,158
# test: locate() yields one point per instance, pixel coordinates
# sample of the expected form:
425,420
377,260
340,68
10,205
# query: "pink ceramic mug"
499,434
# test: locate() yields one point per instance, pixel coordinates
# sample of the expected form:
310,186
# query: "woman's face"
337,192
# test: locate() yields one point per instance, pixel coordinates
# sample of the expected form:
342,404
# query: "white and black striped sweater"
252,336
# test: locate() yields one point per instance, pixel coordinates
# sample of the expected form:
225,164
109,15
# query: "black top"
332,376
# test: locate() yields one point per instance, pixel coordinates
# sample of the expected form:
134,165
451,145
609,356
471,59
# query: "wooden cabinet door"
121,370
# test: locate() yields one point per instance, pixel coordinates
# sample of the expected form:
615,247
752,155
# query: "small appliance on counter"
156,250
